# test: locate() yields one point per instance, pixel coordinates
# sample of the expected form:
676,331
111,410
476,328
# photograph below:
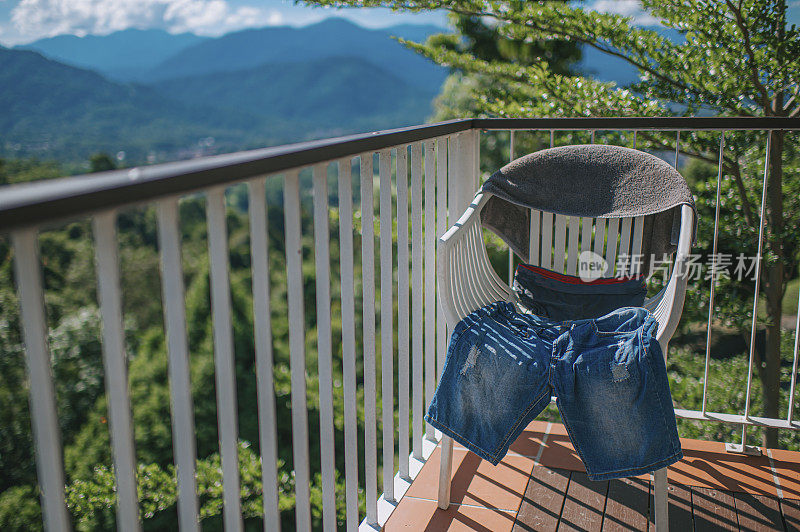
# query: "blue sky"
23,21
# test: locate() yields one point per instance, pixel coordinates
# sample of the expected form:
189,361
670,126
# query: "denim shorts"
608,375
562,297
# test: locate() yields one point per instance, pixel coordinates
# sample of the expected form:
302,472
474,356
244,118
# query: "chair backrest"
558,241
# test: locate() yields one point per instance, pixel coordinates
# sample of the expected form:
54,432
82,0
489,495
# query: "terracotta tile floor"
541,485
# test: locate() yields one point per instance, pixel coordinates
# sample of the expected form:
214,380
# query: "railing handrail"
641,123
63,198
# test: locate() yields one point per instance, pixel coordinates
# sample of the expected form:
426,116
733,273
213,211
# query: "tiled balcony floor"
541,485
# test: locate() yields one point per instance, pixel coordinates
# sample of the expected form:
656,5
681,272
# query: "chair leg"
661,500
445,467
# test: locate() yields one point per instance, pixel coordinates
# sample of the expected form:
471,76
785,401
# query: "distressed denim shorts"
608,375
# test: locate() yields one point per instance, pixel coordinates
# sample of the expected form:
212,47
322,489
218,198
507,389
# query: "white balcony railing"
443,160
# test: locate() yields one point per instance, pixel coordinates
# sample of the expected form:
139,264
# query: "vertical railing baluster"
416,297
430,277
473,169
675,165
262,332
182,411
368,306
401,160
44,418
387,321
453,173
225,371
476,164
713,273
793,384
756,288
441,227
115,365
511,251
324,353
348,343
297,355
572,246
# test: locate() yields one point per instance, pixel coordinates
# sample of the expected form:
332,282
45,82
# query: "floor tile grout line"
564,502
544,434
775,478
547,430
605,505
535,464
461,504
651,499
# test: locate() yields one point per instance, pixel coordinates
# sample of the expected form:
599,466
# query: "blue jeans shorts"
608,375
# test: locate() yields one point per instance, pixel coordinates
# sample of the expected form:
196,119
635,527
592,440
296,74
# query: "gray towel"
589,180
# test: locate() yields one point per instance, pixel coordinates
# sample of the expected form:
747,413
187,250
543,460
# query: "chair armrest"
670,307
466,279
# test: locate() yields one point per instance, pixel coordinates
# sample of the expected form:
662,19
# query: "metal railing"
444,173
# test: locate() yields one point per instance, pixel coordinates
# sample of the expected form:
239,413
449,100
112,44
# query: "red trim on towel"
572,279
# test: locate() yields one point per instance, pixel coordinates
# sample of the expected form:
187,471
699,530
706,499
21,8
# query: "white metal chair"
467,282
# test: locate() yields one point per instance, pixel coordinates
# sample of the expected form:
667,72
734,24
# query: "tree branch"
560,32
578,38
729,164
748,214
748,47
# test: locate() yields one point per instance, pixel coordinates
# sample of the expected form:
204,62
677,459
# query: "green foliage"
74,322
325,80
725,374
485,41
23,170
347,94
734,58
101,162
92,501
20,510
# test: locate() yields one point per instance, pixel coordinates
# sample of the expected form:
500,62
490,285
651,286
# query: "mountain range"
121,55
158,96
146,56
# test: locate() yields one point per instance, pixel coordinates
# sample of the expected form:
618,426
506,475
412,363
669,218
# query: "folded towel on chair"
588,180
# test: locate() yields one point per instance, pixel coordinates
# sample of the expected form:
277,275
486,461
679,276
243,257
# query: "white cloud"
42,18
626,8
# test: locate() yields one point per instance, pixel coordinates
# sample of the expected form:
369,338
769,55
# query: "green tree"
734,58
14,171
482,38
101,162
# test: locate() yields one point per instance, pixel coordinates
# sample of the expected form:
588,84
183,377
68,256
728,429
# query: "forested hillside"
194,96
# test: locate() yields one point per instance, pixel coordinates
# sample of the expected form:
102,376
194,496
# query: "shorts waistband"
575,285
621,321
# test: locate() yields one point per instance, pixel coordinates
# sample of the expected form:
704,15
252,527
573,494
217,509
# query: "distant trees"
74,339
101,162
